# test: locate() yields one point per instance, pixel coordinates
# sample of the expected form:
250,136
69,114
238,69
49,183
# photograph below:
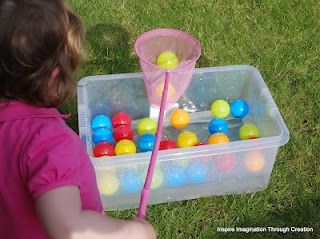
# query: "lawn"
280,38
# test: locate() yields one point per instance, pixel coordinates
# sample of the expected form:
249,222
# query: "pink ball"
225,163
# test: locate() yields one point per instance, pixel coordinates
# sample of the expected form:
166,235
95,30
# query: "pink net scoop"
148,47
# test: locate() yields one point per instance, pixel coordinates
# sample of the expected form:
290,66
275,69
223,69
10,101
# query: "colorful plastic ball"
187,139
101,121
218,125
159,90
103,149
130,181
102,135
201,143
225,163
175,175
254,161
123,132
167,144
107,182
146,142
239,108
147,126
220,109
180,119
249,131
218,138
197,172
167,60
157,179
125,146
121,118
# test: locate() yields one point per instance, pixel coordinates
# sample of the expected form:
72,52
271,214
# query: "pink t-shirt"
38,152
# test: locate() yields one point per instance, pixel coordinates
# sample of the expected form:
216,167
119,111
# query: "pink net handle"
167,32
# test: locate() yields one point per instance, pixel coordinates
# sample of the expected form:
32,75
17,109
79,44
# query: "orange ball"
180,119
254,161
218,138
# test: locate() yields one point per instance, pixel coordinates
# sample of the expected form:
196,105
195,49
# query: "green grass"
280,38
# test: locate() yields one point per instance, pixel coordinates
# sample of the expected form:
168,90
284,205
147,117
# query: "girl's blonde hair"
37,37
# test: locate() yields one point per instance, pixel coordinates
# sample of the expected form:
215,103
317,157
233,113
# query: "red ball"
167,144
123,132
201,143
121,118
103,149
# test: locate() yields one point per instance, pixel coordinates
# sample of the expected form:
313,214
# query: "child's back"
47,182
38,152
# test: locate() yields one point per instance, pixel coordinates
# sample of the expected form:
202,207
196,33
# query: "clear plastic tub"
186,173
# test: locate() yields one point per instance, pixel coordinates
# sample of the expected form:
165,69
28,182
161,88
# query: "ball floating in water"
157,179
218,138
220,109
187,139
239,108
167,144
102,135
167,60
103,149
254,161
108,183
147,126
175,175
249,131
121,118
123,132
159,90
101,121
146,142
218,125
180,119
197,172
130,181
225,163
125,146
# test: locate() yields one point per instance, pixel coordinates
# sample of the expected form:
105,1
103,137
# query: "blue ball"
175,176
130,181
146,142
197,172
102,135
239,108
218,125
101,121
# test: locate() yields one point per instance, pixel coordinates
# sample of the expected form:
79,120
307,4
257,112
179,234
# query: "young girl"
47,182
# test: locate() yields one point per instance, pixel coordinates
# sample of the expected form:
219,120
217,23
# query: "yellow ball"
220,109
218,138
147,126
167,60
187,139
125,146
180,119
159,90
108,183
157,179
254,161
249,131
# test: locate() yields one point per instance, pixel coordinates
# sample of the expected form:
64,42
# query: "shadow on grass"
110,50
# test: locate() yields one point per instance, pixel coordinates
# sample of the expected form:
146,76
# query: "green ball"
157,179
249,131
147,126
167,60
220,109
107,182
